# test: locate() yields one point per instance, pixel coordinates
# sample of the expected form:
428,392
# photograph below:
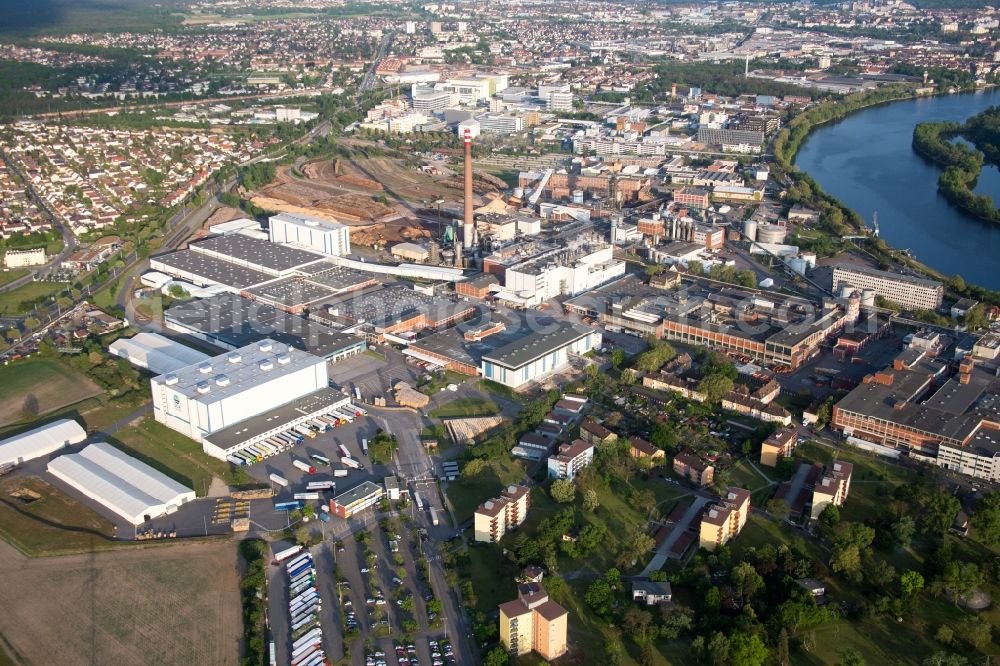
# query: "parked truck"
350,462
304,466
287,552
280,480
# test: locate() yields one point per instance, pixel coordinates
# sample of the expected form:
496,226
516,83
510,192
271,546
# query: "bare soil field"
44,383
165,605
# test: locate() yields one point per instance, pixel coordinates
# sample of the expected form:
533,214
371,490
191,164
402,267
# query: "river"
867,162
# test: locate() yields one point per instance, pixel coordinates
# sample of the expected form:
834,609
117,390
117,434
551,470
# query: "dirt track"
174,604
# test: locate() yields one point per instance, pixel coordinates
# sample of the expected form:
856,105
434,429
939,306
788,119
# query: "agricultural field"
175,604
53,385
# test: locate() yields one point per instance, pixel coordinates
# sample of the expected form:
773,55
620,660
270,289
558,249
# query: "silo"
868,298
750,230
578,196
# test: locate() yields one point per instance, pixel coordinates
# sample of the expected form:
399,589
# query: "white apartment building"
556,97
312,233
500,123
906,290
495,517
200,399
570,459
24,258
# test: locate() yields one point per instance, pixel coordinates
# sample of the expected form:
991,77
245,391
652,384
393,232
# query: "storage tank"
578,196
771,233
810,258
868,298
846,290
750,230
797,264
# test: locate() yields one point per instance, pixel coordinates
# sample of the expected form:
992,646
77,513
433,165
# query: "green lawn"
466,408
10,301
175,455
6,277
742,475
492,576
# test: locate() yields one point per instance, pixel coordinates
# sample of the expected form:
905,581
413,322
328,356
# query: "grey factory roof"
290,292
271,257
236,371
277,417
899,277
954,411
451,343
234,321
339,278
212,269
391,304
535,345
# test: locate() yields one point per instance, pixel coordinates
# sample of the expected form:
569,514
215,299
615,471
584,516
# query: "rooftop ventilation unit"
170,379
203,387
266,365
234,357
221,380
264,346
205,368
283,359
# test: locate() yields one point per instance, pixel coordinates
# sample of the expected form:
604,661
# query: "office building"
200,399
357,499
533,622
24,258
724,519
496,517
904,290
311,233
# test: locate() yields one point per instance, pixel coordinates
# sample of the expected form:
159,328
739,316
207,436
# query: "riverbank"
806,190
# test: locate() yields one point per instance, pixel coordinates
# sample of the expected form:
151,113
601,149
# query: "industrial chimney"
468,229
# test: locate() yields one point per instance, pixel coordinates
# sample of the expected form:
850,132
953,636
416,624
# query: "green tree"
903,531
715,386
986,519
945,659
945,635
979,633
746,581
496,657
563,491
850,657
599,596
747,649
829,517
911,582
590,500
637,623
617,358
782,653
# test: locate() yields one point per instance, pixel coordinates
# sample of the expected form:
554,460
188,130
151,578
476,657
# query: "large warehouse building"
205,397
41,441
153,352
230,322
127,486
905,290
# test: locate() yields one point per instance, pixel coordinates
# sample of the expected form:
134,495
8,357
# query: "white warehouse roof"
156,353
41,441
127,486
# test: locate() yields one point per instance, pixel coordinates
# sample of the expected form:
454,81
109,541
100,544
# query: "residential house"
832,488
651,592
640,449
596,434
779,445
694,468
570,459
724,519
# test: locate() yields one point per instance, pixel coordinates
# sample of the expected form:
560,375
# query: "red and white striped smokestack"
468,229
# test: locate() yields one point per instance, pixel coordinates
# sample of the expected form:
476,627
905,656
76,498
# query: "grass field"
466,494
6,277
466,408
171,604
54,524
53,384
10,301
175,455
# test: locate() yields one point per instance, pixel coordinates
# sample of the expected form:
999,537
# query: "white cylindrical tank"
797,264
750,230
771,233
846,290
578,196
519,192
868,298
810,259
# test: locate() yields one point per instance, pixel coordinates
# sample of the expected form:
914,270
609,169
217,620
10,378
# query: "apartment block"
832,488
594,433
570,459
694,468
779,445
533,622
495,517
906,290
640,449
724,519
